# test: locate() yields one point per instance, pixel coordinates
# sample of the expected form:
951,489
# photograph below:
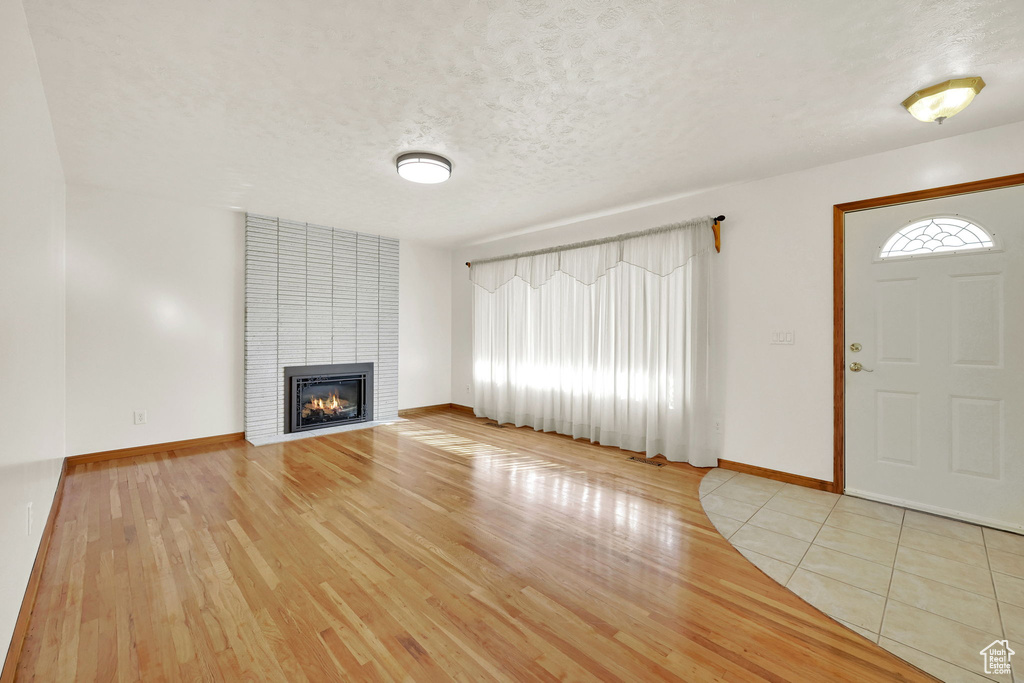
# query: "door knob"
857,367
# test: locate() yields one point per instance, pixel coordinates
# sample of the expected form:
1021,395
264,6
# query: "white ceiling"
547,109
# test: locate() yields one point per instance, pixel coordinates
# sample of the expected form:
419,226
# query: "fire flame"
333,403
330,404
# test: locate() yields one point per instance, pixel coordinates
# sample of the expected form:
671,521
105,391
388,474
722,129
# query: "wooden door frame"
839,212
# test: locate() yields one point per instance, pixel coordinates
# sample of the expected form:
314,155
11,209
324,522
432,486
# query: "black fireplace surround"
320,396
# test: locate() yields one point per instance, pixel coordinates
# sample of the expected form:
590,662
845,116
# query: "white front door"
935,417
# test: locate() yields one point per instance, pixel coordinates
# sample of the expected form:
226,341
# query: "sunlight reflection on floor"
543,483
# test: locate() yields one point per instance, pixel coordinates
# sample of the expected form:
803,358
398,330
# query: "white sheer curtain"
606,341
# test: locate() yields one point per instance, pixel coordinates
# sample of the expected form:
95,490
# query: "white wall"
424,326
774,272
154,320
31,311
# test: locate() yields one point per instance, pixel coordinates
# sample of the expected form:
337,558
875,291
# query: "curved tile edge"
839,555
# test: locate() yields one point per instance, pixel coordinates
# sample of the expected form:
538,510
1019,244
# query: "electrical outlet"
783,337
140,417
28,519
718,426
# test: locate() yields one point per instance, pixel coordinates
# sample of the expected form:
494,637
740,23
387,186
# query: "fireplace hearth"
322,396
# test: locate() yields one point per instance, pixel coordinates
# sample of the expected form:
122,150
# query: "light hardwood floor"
439,548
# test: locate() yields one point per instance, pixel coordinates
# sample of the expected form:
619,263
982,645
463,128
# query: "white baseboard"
936,510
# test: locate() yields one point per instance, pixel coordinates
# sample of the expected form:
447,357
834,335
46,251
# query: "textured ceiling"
547,109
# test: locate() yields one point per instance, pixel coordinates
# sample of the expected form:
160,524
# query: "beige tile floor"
931,590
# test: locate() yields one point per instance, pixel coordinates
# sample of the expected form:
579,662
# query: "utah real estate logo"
997,657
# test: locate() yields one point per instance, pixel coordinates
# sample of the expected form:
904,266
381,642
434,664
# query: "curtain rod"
576,245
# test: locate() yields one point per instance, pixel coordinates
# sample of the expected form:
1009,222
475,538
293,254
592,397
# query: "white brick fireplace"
315,295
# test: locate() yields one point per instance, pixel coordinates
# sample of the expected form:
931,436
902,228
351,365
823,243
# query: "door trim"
839,212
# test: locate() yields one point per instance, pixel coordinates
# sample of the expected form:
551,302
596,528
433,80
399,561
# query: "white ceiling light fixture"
421,167
940,101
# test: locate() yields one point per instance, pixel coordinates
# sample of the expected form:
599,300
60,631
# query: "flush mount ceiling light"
421,167
940,101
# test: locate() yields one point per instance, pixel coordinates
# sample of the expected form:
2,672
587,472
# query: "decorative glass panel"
942,234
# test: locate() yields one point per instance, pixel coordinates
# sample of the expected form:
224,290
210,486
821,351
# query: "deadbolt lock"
855,347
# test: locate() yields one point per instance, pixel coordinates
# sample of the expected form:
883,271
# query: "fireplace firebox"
321,396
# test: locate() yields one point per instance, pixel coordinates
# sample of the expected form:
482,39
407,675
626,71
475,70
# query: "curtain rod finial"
468,265
719,219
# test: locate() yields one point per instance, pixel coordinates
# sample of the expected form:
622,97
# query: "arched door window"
936,236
